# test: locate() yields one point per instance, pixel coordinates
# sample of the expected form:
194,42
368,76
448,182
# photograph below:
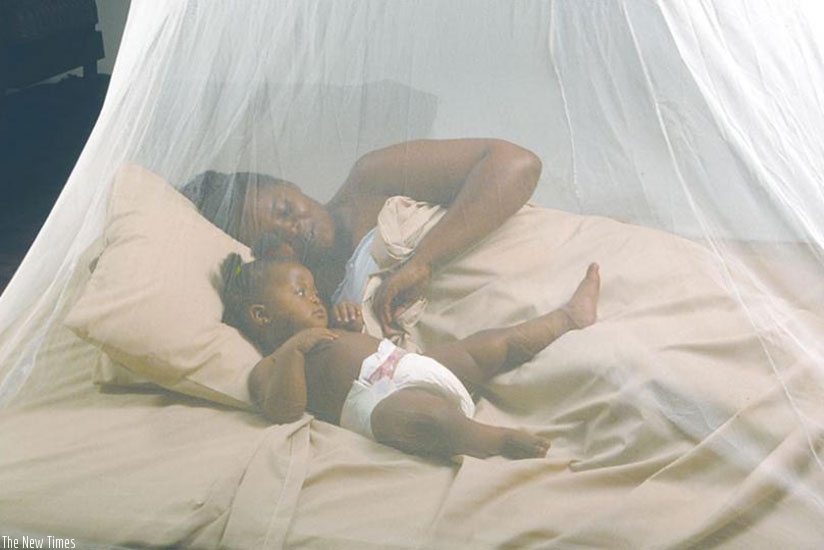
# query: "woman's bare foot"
582,308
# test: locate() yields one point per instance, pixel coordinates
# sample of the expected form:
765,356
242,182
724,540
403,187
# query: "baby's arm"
346,316
277,384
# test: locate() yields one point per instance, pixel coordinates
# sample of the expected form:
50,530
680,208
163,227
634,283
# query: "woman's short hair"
220,196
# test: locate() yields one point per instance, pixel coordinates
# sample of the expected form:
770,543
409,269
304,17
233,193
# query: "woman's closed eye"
281,208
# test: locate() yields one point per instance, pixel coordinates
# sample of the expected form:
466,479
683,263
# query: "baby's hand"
307,339
347,316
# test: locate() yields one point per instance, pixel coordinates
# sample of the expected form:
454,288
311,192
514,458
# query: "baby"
419,404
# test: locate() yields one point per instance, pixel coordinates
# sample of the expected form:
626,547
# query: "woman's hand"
399,290
305,340
347,316
482,182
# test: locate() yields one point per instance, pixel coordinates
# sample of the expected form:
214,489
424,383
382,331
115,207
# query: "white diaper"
391,369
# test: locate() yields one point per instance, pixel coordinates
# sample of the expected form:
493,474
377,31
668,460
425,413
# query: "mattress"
676,421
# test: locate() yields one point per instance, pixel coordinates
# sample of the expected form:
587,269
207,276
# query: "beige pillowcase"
152,303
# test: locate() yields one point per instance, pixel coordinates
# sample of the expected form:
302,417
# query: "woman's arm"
277,384
440,171
482,181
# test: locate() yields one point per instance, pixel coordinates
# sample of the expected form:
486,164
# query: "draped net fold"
700,118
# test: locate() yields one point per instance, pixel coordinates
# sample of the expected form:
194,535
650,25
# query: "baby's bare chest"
330,370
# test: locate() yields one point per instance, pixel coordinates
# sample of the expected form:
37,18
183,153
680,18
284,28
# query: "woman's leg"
420,422
480,356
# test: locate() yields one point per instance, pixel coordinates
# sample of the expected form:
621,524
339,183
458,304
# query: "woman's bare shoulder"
359,214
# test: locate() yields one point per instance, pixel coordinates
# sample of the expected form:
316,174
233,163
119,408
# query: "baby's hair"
242,286
243,283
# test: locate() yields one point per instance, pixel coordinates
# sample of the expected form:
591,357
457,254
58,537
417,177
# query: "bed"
674,424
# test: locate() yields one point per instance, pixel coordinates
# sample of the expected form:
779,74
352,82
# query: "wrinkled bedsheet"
673,423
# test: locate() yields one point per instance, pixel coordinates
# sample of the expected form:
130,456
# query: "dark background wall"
44,127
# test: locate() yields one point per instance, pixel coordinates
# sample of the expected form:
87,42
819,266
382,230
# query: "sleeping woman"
482,182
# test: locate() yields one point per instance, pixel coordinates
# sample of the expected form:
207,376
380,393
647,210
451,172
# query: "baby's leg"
420,422
482,355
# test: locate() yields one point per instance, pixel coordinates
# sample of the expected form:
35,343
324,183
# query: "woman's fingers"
395,303
398,291
384,305
385,302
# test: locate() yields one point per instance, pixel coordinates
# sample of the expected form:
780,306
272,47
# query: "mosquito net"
680,148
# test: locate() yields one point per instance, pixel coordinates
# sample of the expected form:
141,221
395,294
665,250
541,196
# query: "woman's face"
303,224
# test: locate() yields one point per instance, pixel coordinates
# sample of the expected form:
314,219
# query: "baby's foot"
518,445
582,308
482,441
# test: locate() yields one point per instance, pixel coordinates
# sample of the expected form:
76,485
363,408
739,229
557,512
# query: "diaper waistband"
382,363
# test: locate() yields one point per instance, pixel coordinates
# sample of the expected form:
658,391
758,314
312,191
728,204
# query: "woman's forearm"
277,385
482,182
498,185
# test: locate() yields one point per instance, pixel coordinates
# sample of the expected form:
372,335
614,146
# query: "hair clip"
237,270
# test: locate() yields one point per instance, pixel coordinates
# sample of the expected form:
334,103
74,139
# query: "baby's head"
270,300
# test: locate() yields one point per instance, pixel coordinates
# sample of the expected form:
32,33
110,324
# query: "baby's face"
292,300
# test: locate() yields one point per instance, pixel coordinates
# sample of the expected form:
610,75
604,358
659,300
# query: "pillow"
152,302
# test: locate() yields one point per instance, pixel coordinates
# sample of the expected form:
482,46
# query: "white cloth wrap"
412,371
